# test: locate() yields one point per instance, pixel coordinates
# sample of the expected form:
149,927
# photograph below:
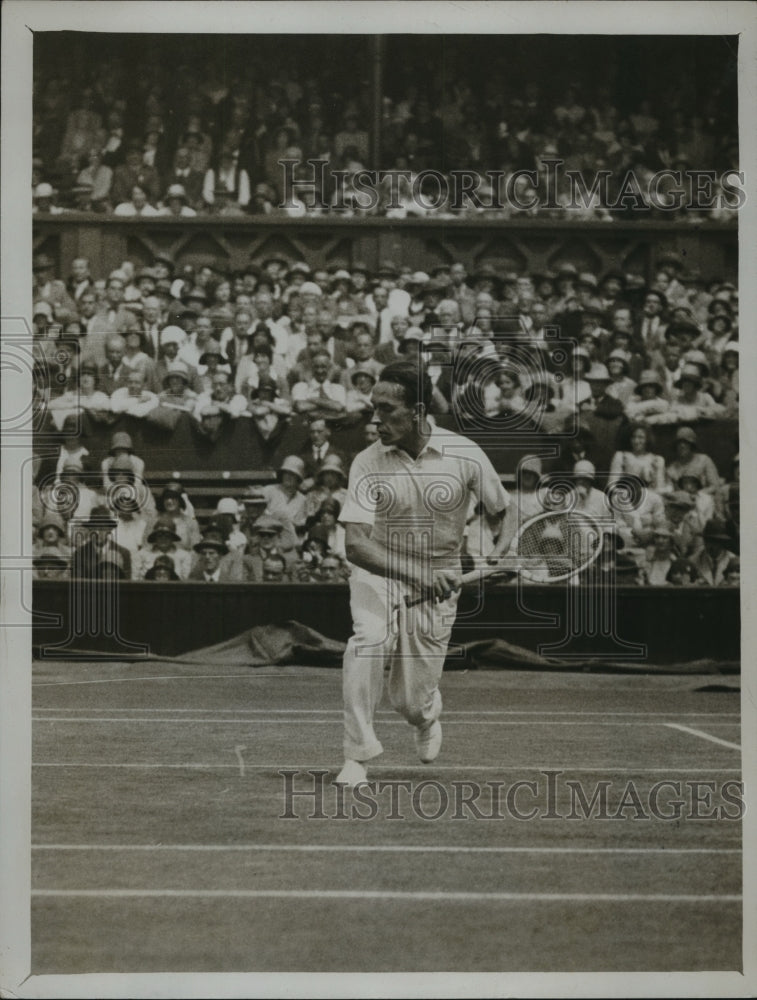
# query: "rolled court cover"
290,643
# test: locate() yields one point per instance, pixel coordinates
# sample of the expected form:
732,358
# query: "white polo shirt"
420,505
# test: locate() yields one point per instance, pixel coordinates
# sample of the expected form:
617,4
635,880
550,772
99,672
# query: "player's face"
395,420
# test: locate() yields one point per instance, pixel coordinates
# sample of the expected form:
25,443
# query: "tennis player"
408,498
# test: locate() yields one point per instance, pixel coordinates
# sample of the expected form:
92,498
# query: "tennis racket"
547,548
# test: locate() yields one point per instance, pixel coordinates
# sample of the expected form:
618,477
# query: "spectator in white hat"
727,383
590,500
284,498
171,340
176,393
176,203
648,402
43,200
227,516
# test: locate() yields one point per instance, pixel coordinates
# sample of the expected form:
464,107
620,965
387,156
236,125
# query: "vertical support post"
377,86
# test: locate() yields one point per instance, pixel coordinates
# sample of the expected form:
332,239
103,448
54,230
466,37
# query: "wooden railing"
528,245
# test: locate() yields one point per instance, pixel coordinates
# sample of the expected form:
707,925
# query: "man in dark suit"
317,447
217,565
182,173
99,557
134,173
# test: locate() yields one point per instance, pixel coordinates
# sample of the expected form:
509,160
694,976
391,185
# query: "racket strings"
563,544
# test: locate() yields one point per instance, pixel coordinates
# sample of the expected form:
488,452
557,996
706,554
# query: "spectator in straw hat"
690,459
174,503
128,499
121,445
327,516
267,541
359,404
647,401
330,484
622,386
212,360
285,501
172,340
590,500
176,393
44,200
685,527
715,558
52,536
176,203
216,564
727,383
72,448
659,557
227,518
690,401
719,333
163,570
705,503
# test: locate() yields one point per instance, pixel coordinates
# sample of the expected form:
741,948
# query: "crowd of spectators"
176,136
281,342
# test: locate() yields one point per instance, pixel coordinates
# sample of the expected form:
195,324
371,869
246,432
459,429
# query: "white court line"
704,736
525,897
256,672
386,711
425,768
384,849
336,720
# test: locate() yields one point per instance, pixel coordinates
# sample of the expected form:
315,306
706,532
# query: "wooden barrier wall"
672,625
529,245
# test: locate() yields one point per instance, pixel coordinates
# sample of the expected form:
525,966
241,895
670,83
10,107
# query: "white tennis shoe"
353,773
428,742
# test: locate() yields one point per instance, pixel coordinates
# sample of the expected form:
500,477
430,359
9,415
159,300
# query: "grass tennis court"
159,843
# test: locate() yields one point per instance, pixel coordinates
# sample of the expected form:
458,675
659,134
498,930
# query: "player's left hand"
446,582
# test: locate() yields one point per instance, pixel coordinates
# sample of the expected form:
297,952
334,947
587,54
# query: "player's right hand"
446,582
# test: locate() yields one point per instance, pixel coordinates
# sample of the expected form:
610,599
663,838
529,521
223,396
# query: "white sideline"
384,849
337,720
525,897
389,712
704,736
520,768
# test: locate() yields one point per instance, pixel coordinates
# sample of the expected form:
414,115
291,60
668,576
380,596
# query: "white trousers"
412,642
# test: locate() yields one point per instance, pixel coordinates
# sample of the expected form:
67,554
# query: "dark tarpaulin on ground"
290,643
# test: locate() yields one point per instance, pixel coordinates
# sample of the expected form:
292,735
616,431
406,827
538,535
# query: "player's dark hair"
413,379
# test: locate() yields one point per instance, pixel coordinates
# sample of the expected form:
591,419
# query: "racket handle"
413,602
428,596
